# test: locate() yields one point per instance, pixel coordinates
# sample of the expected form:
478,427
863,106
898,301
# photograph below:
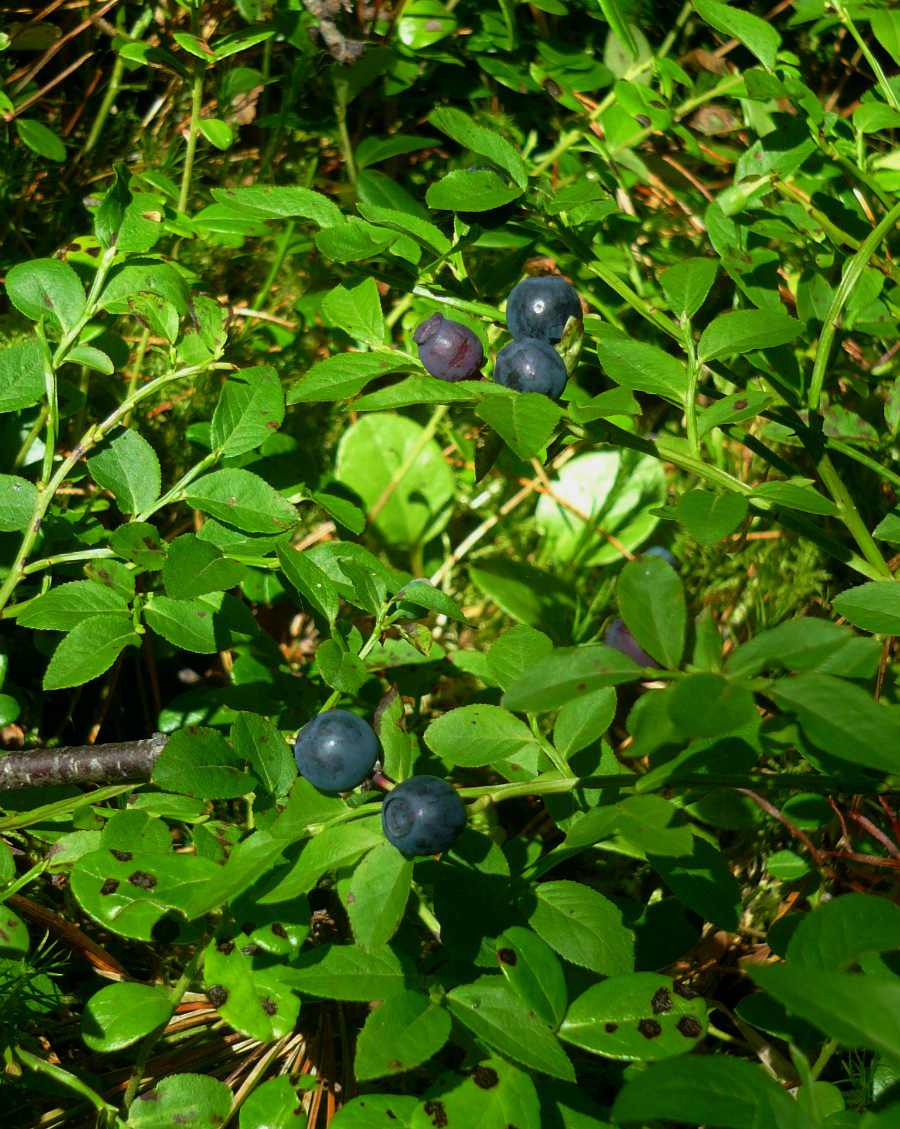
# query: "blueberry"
493,217
447,349
540,307
422,816
530,365
336,751
661,551
620,639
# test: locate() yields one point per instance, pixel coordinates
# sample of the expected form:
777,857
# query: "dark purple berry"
620,639
447,349
493,217
661,551
540,307
422,816
530,365
335,751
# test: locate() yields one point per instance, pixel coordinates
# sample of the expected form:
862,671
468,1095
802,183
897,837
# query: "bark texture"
86,764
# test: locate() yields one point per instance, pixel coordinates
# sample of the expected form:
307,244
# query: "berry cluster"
337,750
536,315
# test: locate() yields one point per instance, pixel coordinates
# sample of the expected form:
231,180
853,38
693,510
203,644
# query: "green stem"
824,1056
27,443
886,89
198,73
46,491
64,1078
136,369
340,112
690,399
851,275
175,997
52,405
66,558
176,493
850,515
115,81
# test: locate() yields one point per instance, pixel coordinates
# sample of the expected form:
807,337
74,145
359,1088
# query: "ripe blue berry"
661,551
620,639
540,307
493,217
422,816
335,751
530,365
447,349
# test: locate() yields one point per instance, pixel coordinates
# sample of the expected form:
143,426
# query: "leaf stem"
197,75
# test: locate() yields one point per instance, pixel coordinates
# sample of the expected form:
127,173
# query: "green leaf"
48,290
202,625
312,582
344,375
493,1095
838,933
18,498
372,452
415,389
423,23
287,202
63,608
584,720
88,650
495,1014
345,972
139,279
478,735
217,133
642,367
250,409
525,420
22,381
515,651
799,644
582,926
530,595
858,1010
194,567
886,29
432,599
741,331
242,499
755,34
273,1105
874,606
651,600
375,1111
481,140
352,240
262,749
357,310
127,466
534,973
42,140
638,1016
735,409
567,673
200,762
189,1099
687,284
842,719
14,939
653,824
716,1090
470,191
120,1014
379,891
704,882
709,517
254,1000
794,494
109,217
255,855
329,850
142,898
403,1032
708,705
425,233
373,149
92,358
